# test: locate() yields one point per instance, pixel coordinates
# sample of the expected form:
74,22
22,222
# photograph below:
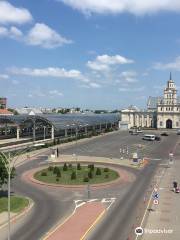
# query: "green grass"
66,176
17,204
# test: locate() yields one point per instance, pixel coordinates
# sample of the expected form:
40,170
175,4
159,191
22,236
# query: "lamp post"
44,132
9,163
9,168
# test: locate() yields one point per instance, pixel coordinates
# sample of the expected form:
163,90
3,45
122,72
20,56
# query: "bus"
149,137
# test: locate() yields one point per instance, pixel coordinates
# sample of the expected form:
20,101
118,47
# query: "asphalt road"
53,204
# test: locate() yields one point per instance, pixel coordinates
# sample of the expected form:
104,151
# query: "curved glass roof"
64,121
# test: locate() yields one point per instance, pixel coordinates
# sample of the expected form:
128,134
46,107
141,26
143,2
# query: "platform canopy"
61,121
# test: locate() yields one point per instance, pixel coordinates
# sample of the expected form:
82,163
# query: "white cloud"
4,76
47,72
91,85
13,15
12,32
135,7
16,32
129,76
55,93
103,62
44,36
40,35
126,89
175,65
94,85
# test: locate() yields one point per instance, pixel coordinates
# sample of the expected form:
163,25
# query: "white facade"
162,112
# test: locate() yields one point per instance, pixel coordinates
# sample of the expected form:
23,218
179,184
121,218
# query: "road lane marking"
94,223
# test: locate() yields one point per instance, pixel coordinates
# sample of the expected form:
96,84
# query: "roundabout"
76,174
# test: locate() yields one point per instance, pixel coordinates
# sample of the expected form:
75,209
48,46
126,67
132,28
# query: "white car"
139,131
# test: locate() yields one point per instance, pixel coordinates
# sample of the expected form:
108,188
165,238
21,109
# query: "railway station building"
162,112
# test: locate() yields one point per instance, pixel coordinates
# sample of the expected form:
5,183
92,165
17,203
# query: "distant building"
5,112
3,103
29,111
162,112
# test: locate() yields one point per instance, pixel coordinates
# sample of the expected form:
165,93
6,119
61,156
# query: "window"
177,124
161,109
161,123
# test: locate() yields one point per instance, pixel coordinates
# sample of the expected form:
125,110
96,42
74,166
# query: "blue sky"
93,54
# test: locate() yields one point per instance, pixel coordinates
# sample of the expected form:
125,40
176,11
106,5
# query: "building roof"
64,121
5,112
29,111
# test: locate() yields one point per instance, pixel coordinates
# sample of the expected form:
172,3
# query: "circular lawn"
72,174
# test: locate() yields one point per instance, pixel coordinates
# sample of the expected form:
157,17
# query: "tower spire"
170,76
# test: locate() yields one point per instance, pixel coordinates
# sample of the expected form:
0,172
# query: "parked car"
164,134
178,132
157,138
134,133
139,131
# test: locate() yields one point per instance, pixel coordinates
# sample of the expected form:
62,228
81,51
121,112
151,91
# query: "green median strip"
17,204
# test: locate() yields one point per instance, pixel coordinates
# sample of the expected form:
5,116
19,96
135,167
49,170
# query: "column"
148,124
86,131
66,132
142,120
52,132
6,129
34,131
18,133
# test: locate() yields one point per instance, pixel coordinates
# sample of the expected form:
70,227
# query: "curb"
20,214
100,185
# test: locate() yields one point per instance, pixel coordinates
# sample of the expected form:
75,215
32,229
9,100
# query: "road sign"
139,231
156,202
156,195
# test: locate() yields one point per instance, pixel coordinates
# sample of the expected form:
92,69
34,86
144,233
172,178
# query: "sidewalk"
166,217
121,162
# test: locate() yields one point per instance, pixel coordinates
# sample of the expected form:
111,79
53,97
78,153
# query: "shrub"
55,170
106,176
58,174
70,165
106,169
57,179
73,175
44,174
65,168
50,168
86,179
92,167
78,166
90,174
98,171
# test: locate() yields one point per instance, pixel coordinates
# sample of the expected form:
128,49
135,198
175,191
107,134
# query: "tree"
78,166
73,175
90,174
98,171
65,168
4,172
55,170
58,174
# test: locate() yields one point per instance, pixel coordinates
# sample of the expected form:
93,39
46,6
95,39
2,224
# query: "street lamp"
9,163
44,132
